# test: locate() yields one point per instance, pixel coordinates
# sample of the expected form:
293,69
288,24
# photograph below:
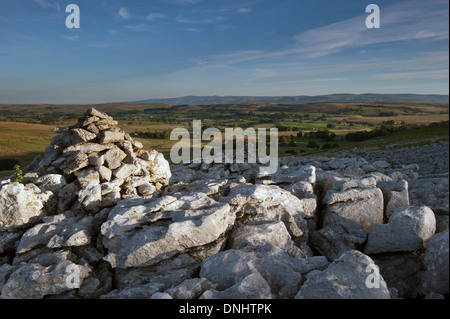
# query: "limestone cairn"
100,162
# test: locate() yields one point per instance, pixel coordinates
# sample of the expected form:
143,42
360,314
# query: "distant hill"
302,99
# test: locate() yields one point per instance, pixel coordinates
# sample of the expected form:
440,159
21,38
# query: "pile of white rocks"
314,229
95,164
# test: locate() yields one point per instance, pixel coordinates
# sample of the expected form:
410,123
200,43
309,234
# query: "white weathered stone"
337,236
254,286
302,189
108,136
105,174
20,206
146,189
90,197
289,175
260,234
395,195
87,175
431,192
190,288
74,162
51,182
408,229
95,113
96,160
228,268
56,232
124,171
346,278
81,136
33,281
436,276
159,169
362,205
191,221
114,185
86,148
114,157
268,203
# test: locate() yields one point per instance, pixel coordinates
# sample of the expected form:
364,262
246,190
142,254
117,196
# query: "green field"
415,137
25,129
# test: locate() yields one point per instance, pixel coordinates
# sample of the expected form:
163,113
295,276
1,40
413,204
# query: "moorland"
25,130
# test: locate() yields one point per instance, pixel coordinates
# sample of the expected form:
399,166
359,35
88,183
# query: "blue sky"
140,49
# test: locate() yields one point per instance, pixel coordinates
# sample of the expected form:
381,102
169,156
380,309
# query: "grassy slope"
23,141
414,137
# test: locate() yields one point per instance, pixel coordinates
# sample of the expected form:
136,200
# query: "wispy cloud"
124,13
72,37
405,21
192,29
213,20
48,4
184,2
428,74
244,10
428,64
154,16
142,27
234,57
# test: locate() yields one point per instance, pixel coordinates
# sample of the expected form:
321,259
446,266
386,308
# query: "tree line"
383,130
163,135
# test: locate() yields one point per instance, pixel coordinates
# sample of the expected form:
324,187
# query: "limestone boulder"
289,175
435,278
431,192
57,232
352,276
395,194
264,233
90,197
167,274
362,205
258,203
337,236
35,281
21,205
408,229
141,235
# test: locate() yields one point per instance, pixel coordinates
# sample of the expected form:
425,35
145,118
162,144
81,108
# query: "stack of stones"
99,164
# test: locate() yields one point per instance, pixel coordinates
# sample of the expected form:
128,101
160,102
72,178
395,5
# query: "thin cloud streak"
181,19
72,37
48,4
244,10
432,75
155,16
405,21
431,65
400,22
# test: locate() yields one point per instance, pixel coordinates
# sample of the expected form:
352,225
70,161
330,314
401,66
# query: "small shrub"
18,177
